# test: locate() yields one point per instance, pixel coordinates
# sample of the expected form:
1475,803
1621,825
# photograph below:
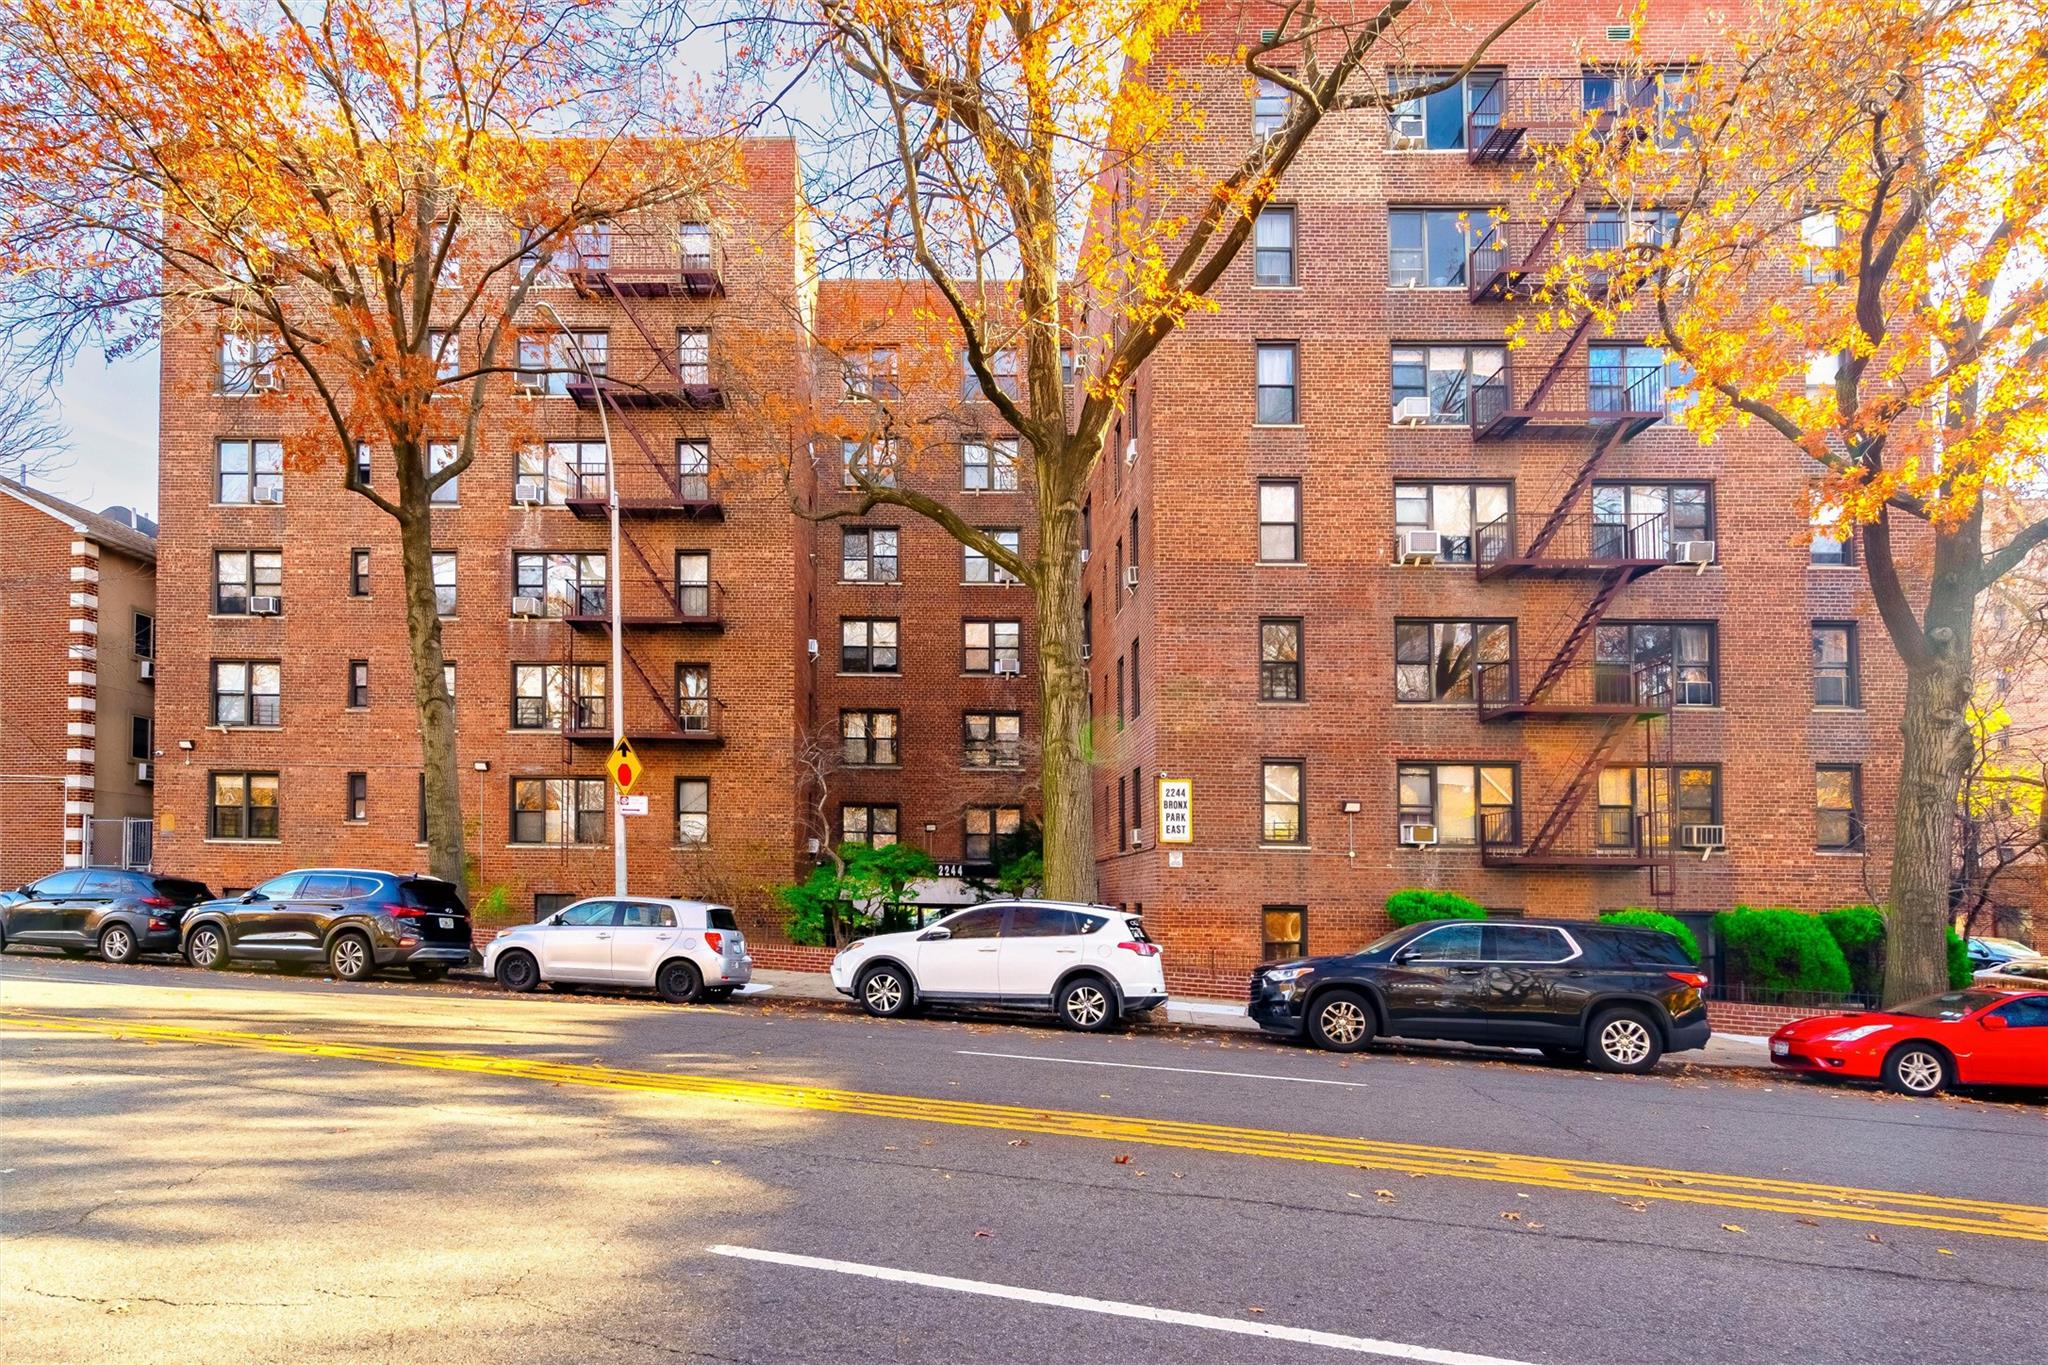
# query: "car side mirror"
1997,1021
1405,955
251,897
937,935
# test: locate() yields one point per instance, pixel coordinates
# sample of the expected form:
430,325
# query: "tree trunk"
1935,755
1065,775
445,855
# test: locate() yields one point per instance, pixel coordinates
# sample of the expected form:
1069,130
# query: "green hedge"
1858,930
1775,949
1415,905
1651,919
1959,974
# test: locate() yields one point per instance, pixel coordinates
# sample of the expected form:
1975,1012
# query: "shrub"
1415,905
1776,949
1958,960
1858,931
1639,918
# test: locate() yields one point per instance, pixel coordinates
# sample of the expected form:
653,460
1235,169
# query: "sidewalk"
1723,1050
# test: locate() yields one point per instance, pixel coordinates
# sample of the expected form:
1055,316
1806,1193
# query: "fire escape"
663,590
1592,713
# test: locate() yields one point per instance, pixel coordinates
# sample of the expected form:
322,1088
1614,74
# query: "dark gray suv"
120,914
353,919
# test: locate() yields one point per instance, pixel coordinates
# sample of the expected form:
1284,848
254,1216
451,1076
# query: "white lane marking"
1272,1331
1183,1070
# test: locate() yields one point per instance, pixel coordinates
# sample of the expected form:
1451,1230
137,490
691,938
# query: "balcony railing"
1518,112
1596,838
642,265
1583,689
1515,260
1570,395
689,605
1583,542
644,493
695,720
692,385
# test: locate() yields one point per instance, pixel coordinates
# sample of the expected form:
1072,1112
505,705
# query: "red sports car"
1981,1036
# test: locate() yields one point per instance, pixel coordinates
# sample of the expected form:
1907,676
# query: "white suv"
685,950
1089,964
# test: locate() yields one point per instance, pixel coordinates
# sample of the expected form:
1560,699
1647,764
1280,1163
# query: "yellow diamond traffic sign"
624,766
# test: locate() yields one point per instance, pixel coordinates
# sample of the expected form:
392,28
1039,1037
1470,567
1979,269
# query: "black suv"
353,919
1617,997
122,914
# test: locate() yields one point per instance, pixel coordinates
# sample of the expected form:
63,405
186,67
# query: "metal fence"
120,842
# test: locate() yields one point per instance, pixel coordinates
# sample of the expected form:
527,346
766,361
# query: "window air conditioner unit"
527,606
1008,668
270,495
142,773
265,606
1693,551
1131,451
262,382
1131,576
1415,834
1705,838
1420,547
1405,133
1411,412
529,492
1137,838
147,669
1087,653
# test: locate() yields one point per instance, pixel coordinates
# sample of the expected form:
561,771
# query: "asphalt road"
243,1166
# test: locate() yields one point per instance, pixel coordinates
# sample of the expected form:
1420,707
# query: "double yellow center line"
1938,1213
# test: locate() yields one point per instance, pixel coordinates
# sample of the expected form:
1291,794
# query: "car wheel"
428,971
1341,1021
1917,1069
518,972
351,958
884,992
117,943
1087,1004
679,982
1624,1041
207,948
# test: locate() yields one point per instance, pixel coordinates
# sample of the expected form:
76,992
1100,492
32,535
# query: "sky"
110,414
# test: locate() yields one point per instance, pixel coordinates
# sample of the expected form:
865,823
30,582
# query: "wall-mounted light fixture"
185,744
481,766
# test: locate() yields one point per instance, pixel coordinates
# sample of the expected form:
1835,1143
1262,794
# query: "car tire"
207,948
1087,1004
518,972
885,992
679,982
1918,1069
1341,1021
351,958
1623,1041
428,971
118,945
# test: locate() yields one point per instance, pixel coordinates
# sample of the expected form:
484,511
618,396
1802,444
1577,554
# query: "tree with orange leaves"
1039,166
1840,230
355,198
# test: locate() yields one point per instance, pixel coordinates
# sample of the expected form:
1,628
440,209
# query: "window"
871,374
548,365
989,466
867,739
693,698
867,554
1123,828
1454,511
358,573
561,470
1644,520
445,350
1463,801
249,472
140,738
1276,383
987,827
1637,807
444,582
246,692
1281,819
1634,379
1137,699
145,635
1646,661
1524,943
440,455
248,364
695,245
874,461
547,696
1002,366
240,575
1119,692
1429,248
1442,377
1272,106
693,470
448,680
1436,121
1280,659
358,807
867,645
1452,661
363,463
1273,246
874,826
976,566
1452,943
563,584
693,356
1047,921
558,811
1661,96
358,683
1838,807
992,739
1832,542
243,806
693,810
1284,932
977,923
1834,663
1279,521
991,646
693,584
1820,236
1612,230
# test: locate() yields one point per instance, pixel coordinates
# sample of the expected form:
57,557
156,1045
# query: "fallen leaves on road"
1733,1227
983,1232
1873,1237
1253,1308
1943,1251
1353,1194
1123,1158
1511,1215
1384,1196
1633,1205
1020,1142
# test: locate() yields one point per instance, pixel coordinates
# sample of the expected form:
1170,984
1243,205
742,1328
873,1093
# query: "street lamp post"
615,685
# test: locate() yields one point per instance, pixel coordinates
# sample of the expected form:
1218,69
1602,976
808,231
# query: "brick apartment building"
1410,609
78,634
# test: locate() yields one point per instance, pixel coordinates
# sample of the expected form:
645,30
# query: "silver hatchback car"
683,950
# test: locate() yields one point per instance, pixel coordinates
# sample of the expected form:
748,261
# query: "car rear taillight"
158,902
397,911
1697,980
714,940
1141,949
155,923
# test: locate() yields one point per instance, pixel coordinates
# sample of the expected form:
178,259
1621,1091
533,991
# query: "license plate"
1780,1049
445,921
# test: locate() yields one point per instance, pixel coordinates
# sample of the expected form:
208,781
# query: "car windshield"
1948,1005
1386,940
2006,945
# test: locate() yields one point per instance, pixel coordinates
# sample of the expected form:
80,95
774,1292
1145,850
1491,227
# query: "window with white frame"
558,811
977,567
249,472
